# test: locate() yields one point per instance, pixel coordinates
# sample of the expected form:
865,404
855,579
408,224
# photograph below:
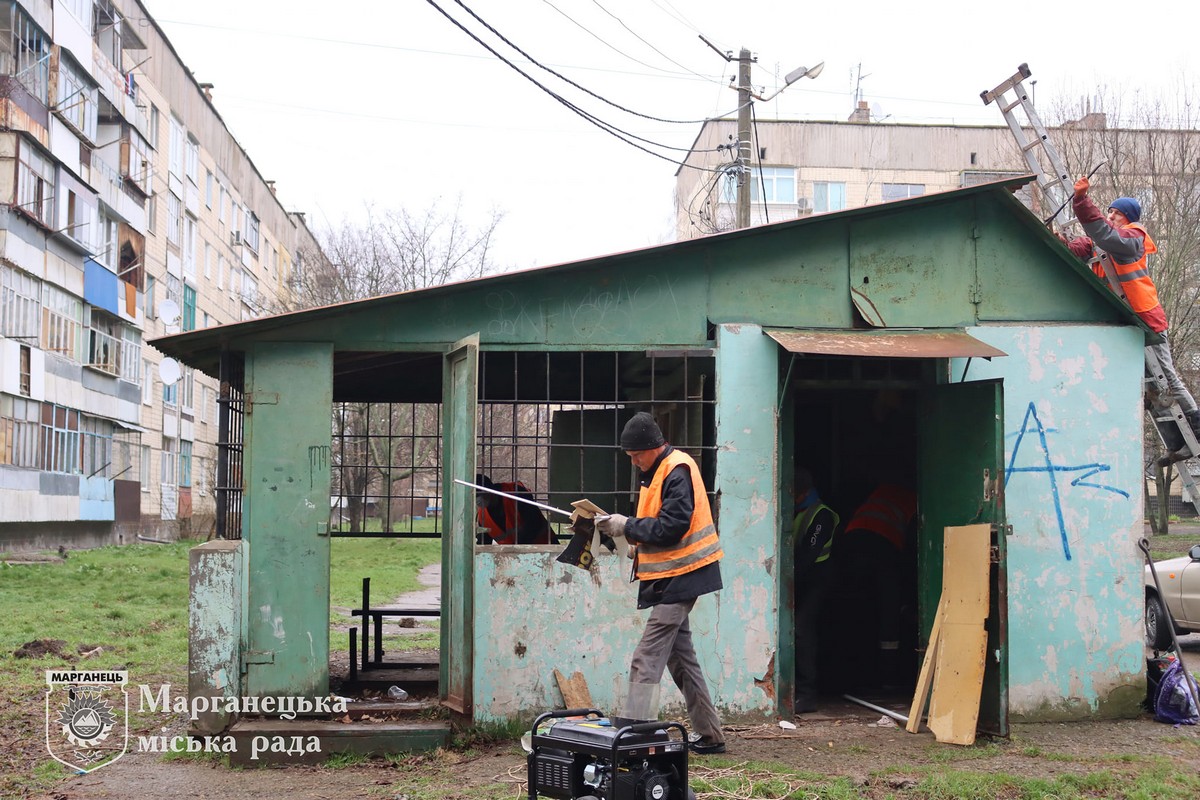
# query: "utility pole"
743,167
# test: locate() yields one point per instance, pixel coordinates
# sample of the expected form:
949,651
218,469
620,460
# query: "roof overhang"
883,343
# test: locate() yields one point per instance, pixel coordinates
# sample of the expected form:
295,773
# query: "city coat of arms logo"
87,717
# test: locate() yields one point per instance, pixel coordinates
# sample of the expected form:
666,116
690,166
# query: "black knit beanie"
641,433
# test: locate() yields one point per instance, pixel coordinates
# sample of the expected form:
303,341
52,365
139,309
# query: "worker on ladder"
1128,245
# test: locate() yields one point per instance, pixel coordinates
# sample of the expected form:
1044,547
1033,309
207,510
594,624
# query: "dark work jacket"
668,528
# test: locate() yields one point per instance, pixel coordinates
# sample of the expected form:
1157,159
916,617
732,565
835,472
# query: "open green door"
286,519
459,400
961,483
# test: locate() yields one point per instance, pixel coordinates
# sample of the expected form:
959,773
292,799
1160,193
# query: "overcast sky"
387,103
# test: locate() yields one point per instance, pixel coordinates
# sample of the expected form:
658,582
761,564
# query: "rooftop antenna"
858,84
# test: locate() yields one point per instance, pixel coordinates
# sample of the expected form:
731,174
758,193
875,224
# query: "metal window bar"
230,440
386,470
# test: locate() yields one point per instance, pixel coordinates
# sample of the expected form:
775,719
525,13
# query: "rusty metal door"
459,416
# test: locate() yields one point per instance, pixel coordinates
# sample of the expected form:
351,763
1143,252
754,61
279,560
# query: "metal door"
289,392
962,483
459,399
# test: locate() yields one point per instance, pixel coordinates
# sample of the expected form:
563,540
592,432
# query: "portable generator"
580,754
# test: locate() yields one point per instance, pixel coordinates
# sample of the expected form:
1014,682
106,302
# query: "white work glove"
612,525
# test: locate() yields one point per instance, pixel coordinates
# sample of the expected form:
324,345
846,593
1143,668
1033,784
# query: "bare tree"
379,447
1150,151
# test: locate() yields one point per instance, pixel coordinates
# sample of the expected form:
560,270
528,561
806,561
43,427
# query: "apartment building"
127,211
800,167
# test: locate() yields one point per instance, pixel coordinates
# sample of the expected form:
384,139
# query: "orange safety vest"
505,531
886,512
1134,278
698,547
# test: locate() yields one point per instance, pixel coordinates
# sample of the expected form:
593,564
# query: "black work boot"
1193,420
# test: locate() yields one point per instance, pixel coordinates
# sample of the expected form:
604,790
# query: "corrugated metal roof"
884,344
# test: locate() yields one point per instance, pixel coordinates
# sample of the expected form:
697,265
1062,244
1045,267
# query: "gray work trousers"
667,644
1174,382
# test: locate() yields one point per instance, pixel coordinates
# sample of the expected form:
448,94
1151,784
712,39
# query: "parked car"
1180,581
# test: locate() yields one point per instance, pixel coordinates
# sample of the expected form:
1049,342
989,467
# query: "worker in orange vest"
506,520
1128,244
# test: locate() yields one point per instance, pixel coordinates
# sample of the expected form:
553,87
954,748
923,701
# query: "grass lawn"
132,602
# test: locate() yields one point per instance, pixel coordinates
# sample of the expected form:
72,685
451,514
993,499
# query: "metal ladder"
1057,187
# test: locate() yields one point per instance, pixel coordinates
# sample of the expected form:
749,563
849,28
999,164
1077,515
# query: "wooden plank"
958,683
962,641
925,679
575,690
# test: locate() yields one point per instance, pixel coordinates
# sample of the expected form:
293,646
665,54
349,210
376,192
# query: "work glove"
1081,187
613,525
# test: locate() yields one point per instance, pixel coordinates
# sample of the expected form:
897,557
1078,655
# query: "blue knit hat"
1131,208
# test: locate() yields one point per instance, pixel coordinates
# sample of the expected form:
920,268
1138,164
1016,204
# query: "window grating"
230,438
549,420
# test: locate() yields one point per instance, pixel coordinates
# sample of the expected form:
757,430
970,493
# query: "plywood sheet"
962,640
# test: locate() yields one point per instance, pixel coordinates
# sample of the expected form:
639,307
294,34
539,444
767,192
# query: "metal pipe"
885,711
514,497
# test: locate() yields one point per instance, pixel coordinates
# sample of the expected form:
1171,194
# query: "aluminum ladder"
1056,185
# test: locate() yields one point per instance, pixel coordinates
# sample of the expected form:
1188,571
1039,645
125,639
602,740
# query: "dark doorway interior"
853,435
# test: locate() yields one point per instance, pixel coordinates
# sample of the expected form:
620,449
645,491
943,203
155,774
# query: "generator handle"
569,712
639,727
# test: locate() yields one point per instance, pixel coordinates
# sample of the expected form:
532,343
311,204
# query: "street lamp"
792,77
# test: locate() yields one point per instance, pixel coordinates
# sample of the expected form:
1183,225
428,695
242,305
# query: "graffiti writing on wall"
1042,463
593,315
318,461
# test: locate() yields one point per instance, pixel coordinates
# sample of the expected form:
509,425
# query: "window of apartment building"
221,204
106,27
176,147
107,233
147,384
251,233
131,354
189,308
62,322
20,425
152,213
80,9
174,289
207,261
191,161
24,51
60,439
775,184
235,282
174,219
170,394
154,118
185,463
250,291
20,304
189,246
104,344
79,215
148,298
136,162
829,196
902,191
24,370
169,464
97,436
208,188
35,183
220,271
77,97
144,466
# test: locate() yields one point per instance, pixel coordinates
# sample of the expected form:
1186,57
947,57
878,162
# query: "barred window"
19,429
20,305
62,322
60,439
